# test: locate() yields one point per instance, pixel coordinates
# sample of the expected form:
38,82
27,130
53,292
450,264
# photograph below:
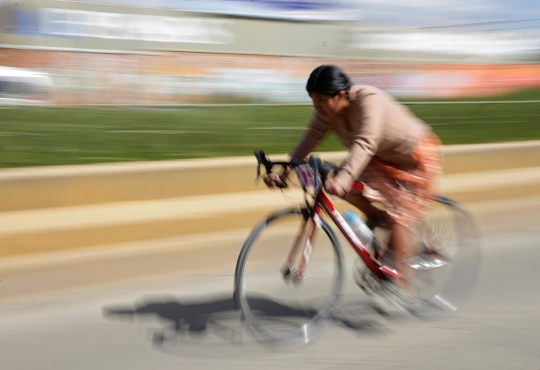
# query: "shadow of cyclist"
217,321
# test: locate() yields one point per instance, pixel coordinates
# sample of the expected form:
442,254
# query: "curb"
66,186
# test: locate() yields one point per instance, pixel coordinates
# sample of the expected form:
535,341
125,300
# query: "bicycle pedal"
426,261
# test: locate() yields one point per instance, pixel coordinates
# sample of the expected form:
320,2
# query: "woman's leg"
400,242
371,212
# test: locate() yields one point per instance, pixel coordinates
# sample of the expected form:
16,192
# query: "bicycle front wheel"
281,307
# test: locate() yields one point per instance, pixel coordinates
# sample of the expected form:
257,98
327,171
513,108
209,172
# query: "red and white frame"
324,204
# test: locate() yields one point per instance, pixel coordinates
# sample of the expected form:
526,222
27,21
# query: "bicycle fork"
309,226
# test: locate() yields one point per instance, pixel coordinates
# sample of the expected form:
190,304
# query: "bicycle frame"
308,175
323,203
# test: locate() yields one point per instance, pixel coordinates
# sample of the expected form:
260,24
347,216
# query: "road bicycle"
289,275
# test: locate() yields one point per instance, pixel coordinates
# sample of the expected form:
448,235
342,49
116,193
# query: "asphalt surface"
172,309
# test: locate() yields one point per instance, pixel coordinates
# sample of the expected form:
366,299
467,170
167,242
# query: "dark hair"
328,80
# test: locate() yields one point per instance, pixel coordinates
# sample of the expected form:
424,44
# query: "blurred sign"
77,23
99,27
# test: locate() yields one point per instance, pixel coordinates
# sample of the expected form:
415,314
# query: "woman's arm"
368,126
316,132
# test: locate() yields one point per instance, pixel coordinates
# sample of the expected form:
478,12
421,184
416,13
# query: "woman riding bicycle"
391,151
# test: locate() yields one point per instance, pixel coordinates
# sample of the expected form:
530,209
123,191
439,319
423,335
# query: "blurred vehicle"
25,87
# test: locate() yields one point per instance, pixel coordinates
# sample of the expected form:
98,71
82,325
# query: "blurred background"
206,51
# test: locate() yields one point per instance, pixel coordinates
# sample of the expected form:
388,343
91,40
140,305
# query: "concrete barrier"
68,207
64,186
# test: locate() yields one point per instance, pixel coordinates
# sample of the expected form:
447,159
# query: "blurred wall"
111,54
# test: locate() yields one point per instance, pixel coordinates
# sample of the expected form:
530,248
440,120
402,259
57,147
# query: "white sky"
510,14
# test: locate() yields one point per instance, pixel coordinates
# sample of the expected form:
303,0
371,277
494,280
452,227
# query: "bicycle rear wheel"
282,309
448,265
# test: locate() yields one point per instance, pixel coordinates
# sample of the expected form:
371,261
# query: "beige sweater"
376,125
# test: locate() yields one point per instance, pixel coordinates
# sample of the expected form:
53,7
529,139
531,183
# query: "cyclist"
391,151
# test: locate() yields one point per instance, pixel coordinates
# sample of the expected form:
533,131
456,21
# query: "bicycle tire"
450,232
273,307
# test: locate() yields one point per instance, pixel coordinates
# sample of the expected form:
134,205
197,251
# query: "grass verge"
54,136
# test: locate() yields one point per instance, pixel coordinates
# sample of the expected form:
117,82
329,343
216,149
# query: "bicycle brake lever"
326,167
262,159
314,162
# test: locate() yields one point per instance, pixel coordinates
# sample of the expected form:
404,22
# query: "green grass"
483,123
52,136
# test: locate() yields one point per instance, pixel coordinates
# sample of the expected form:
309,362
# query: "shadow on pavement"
194,327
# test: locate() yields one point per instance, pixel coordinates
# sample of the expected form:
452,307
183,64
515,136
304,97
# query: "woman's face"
326,105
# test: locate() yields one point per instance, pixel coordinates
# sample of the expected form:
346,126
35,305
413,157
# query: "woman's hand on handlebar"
333,187
273,180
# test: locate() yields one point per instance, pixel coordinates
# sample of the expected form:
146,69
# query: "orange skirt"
404,191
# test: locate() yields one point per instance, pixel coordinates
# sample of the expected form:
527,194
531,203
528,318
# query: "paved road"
173,310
